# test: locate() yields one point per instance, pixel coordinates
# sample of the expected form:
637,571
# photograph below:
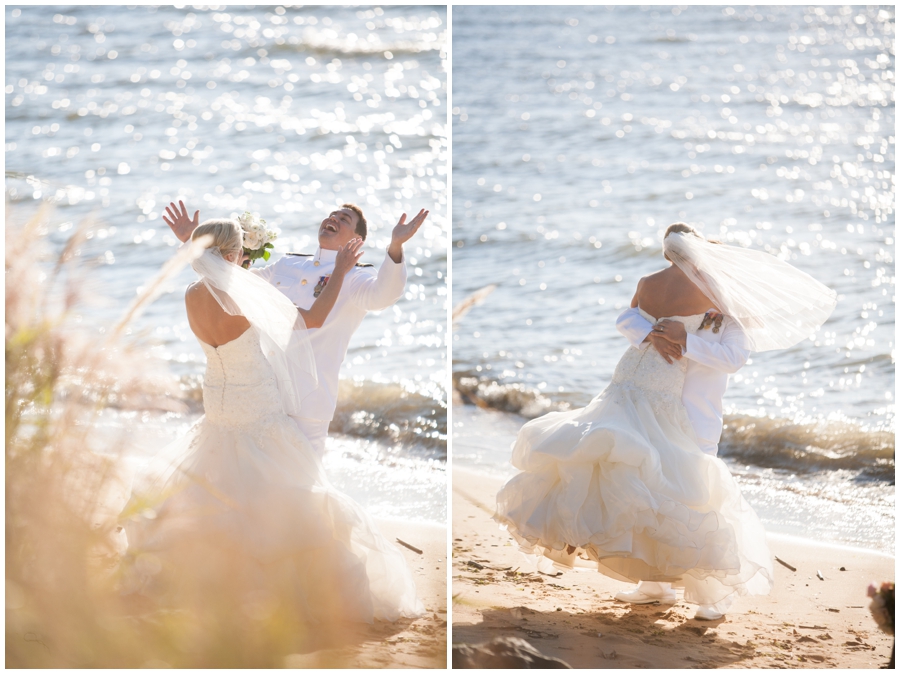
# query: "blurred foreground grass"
65,550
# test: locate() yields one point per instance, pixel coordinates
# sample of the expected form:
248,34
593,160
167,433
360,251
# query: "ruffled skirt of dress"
624,482
253,507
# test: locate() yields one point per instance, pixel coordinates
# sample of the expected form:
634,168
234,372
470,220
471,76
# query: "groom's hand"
403,232
178,221
671,330
668,350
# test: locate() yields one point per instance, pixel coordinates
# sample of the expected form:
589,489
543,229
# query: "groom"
716,350
301,277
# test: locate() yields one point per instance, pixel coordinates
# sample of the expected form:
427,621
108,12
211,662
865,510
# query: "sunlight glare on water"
581,133
112,112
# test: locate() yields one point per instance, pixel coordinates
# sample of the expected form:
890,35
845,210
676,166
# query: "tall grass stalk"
66,486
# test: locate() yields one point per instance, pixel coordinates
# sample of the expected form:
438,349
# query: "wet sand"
805,622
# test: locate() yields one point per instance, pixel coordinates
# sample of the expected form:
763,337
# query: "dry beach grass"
64,601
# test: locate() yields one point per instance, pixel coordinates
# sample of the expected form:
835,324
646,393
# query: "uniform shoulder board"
300,254
364,264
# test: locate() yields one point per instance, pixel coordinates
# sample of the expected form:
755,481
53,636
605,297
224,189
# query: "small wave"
808,447
394,415
410,422
671,39
515,398
191,386
352,49
753,441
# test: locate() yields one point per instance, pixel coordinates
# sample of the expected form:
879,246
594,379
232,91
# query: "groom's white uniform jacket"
711,358
364,289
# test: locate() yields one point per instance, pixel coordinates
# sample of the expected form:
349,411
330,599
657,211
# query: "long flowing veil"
282,333
776,304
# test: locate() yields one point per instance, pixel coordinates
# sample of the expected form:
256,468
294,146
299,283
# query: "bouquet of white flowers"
257,239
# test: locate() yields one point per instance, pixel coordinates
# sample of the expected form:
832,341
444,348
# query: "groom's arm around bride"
728,354
713,353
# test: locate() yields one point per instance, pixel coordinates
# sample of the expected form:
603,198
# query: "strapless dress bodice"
239,387
646,369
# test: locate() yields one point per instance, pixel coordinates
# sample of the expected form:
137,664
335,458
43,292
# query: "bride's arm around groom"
370,290
304,277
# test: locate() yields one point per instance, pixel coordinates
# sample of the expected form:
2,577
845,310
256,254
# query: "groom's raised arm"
728,355
377,291
374,292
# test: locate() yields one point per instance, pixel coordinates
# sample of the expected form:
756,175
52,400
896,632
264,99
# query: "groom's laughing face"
337,229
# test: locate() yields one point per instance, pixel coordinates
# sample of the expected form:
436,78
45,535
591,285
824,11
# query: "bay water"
114,111
581,133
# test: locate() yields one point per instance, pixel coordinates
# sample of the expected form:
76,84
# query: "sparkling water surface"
112,112
581,133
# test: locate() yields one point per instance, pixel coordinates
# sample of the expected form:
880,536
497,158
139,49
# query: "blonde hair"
227,235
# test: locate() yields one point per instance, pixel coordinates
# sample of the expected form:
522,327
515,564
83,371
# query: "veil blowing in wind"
776,304
282,332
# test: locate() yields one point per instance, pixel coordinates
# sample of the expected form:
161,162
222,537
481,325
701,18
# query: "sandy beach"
805,622
418,644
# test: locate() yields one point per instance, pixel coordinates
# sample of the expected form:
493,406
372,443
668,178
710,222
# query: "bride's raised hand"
178,221
348,256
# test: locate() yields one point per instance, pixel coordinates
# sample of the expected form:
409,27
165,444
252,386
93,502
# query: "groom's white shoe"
706,612
637,596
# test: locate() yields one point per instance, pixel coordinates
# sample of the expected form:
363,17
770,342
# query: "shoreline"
804,622
482,441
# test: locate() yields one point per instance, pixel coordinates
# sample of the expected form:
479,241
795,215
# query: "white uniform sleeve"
265,273
634,327
729,355
374,292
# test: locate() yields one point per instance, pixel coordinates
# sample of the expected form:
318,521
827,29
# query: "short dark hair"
679,228
684,228
361,225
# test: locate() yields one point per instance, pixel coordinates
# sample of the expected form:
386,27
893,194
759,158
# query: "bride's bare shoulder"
196,294
194,288
655,277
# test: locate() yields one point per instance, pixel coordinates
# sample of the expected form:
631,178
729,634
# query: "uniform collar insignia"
324,256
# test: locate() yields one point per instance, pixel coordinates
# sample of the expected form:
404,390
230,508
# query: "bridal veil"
776,304
282,332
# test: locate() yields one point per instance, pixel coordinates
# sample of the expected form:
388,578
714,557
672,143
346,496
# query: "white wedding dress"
243,488
623,481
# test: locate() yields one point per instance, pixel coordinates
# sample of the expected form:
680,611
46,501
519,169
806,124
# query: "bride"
622,485
241,504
